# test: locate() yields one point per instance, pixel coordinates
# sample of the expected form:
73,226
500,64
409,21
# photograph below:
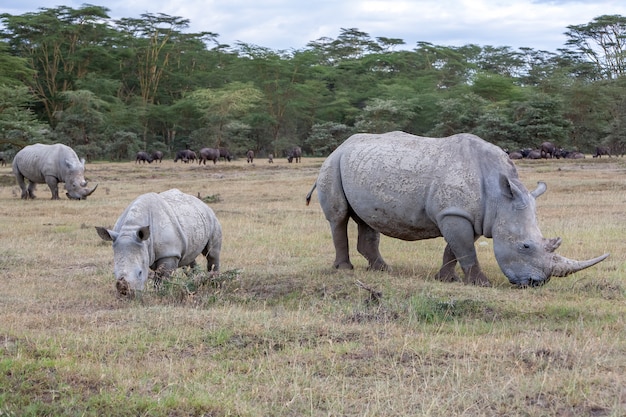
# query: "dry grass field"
280,333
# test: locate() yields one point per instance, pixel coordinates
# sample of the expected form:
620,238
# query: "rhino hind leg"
212,254
339,231
368,244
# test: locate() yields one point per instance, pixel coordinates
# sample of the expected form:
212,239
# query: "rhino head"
524,255
75,182
130,257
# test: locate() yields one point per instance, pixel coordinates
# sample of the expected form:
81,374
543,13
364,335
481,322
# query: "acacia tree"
61,45
219,107
603,41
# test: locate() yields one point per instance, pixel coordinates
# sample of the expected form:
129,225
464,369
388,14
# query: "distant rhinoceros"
51,164
162,232
460,187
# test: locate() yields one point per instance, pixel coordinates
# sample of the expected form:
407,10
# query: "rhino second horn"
562,266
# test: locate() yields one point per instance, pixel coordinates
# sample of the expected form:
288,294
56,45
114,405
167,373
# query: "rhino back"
399,183
37,161
180,224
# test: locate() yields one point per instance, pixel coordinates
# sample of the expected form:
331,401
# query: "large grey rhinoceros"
459,187
51,164
162,232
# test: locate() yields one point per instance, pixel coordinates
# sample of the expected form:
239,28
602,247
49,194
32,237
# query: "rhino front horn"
562,266
92,190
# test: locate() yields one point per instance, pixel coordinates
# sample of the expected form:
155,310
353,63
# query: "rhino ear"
509,188
107,235
143,233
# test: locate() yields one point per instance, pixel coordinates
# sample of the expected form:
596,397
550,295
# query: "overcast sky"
291,24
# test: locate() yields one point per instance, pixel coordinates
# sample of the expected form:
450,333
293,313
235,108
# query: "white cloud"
290,24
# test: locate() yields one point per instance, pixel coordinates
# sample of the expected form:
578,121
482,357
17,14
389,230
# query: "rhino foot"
343,265
447,276
378,265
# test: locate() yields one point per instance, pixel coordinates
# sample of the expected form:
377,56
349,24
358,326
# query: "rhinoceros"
460,187
51,164
162,232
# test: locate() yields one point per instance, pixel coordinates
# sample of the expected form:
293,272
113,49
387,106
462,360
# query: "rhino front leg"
163,268
447,273
53,184
459,233
368,246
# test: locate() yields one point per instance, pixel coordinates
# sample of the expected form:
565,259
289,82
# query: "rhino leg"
53,184
212,254
163,268
459,233
447,273
367,245
339,231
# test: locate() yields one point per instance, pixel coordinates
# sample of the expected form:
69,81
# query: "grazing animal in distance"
208,154
143,157
162,232
51,164
225,153
459,188
157,156
547,150
602,150
295,154
185,155
250,156
3,159
270,158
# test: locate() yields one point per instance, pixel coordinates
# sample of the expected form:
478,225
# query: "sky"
291,24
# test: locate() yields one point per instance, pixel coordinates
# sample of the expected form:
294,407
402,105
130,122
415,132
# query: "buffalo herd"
547,150
213,154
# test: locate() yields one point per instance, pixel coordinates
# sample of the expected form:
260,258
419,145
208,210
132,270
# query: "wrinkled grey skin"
162,232
459,187
51,164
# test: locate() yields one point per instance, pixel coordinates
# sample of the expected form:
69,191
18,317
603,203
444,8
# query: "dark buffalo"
250,156
295,154
534,154
525,152
185,155
3,159
602,150
225,153
143,157
547,150
208,154
574,155
515,155
157,156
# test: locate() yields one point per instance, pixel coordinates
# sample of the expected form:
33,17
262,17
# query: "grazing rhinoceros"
162,232
460,187
51,164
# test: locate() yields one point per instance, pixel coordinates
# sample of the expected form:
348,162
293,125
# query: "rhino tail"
308,196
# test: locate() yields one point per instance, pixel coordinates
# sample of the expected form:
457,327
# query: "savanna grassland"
280,333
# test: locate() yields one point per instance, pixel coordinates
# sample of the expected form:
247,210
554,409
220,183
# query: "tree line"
110,88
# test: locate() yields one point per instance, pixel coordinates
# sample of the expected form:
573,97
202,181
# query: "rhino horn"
562,266
91,191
